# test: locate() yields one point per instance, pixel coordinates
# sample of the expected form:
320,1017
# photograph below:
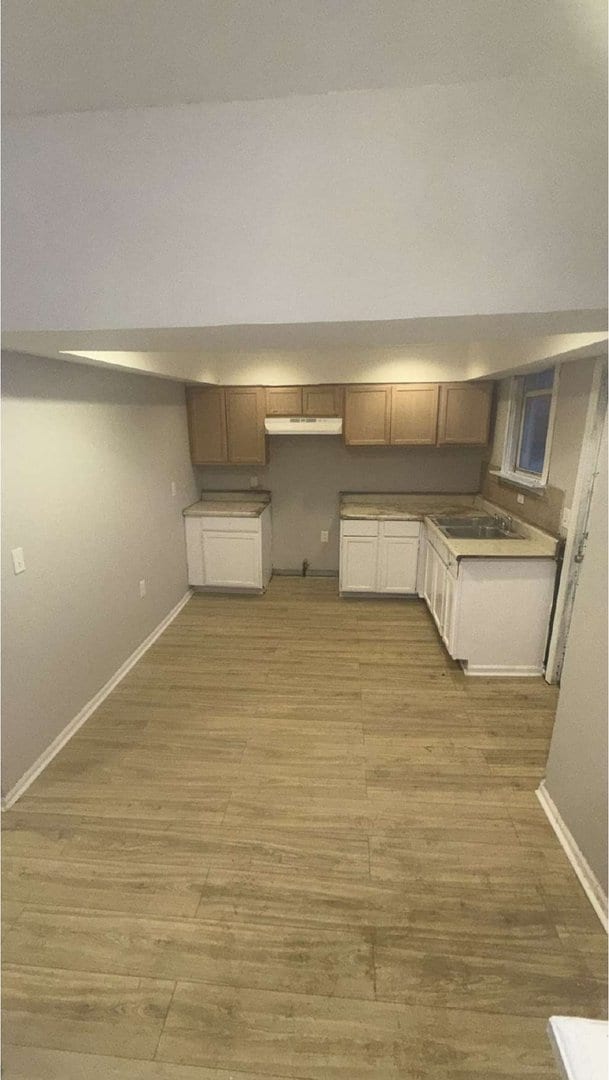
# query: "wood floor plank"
25,1063
521,915
198,802
323,1039
333,815
331,962
299,899
591,948
85,1012
261,849
486,973
420,819
156,889
402,859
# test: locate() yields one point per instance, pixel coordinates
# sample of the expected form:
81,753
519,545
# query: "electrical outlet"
143,588
324,536
253,481
174,489
520,498
18,560
566,518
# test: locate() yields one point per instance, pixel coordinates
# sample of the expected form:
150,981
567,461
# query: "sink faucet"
504,521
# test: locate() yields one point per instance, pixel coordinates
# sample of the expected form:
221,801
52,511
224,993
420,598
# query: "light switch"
520,498
18,560
173,488
143,588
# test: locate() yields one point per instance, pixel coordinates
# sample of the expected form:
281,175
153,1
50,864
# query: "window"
529,429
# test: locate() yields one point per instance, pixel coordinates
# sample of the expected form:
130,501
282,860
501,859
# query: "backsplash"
543,510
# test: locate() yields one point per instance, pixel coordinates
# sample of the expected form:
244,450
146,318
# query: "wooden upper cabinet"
284,401
414,414
322,401
464,414
207,426
245,408
367,415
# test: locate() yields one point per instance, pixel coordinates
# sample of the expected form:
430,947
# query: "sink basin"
479,532
469,519
474,527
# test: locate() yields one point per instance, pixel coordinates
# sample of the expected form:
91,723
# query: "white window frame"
509,469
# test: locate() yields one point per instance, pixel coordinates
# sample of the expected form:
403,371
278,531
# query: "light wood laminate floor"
295,842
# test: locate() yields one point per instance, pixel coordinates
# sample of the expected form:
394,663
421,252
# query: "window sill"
536,487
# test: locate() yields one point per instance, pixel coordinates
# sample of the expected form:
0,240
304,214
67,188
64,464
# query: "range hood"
303,425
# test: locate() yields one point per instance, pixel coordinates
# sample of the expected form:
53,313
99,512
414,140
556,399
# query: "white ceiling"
77,55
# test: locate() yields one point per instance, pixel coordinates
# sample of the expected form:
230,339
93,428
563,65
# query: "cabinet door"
284,401
207,426
439,586
245,425
232,560
358,563
430,569
367,415
448,622
398,558
464,414
414,414
322,401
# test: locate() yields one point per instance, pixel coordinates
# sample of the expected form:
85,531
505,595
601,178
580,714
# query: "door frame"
577,534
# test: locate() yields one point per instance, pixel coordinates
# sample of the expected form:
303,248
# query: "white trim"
589,882
77,721
496,669
580,510
519,480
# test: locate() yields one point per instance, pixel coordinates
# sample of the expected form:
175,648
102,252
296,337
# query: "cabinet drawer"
400,528
229,524
359,527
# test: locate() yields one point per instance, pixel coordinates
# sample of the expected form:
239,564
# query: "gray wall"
306,473
88,459
576,774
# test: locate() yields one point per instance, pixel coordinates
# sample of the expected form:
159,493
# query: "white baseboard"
475,670
77,721
590,883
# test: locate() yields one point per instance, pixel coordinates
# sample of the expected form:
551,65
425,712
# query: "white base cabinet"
229,552
492,614
379,557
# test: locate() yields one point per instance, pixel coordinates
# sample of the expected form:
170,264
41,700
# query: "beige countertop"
532,542
248,504
398,507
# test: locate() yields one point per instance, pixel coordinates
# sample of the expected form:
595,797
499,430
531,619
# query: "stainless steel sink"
476,527
479,532
469,519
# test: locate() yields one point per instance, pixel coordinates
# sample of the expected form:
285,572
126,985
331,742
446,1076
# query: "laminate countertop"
531,542
403,507
249,504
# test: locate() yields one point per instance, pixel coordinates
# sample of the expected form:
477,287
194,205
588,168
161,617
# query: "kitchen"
395,544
